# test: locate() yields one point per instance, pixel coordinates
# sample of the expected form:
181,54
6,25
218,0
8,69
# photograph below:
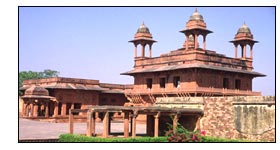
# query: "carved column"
175,122
204,42
71,124
134,123
236,52
55,111
93,123
156,124
198,123
24,109
105,125
195,41
89,123
35,110
150,46
126,124
47,109
63,109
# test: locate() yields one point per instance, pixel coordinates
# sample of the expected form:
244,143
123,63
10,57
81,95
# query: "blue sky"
92,42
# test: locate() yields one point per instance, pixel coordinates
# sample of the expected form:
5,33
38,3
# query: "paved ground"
30,129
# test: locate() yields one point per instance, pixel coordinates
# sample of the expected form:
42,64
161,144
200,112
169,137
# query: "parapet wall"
246,117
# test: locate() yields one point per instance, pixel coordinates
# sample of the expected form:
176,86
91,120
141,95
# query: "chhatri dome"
196,16
244,29
143,29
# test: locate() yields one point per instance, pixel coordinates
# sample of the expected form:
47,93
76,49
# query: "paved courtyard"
30,129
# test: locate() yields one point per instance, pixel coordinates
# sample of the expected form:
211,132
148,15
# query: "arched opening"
200,42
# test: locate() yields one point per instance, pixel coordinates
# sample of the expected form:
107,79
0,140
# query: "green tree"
26,75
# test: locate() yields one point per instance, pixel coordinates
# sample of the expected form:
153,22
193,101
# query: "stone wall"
241,117
248,117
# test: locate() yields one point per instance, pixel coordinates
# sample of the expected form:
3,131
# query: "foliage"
82,138
26,75
183,135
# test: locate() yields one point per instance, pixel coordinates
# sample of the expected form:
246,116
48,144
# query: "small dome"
37,90
244,29
196,16
143,29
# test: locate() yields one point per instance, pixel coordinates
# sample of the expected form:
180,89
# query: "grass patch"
74,138
82,138
221,140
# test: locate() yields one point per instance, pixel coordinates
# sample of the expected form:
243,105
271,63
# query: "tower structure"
195,27
244,37
191,71
143,37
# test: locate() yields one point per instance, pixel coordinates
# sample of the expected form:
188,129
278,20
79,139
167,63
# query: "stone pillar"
135,50
204,42
63,109
71,124
156,124
47,109
105,125
35,110
24,109
93,123
198,123
244,55
89,123
236,52
130,132
134,124
55,111
251,51
109,123
150,50
126,124
143,50
195,41
175,122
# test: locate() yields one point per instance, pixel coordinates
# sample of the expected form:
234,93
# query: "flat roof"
195,65
143,109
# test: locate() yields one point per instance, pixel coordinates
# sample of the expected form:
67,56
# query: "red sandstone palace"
191,71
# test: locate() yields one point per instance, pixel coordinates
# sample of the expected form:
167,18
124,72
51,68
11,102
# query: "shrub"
183,135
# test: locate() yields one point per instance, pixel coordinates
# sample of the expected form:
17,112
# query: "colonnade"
35,108
129,114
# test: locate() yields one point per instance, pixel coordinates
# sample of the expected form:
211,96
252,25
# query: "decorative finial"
143,24
195,9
